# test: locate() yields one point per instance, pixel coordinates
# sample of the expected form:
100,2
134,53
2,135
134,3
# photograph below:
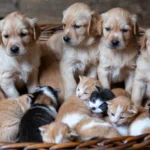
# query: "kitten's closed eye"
86,93
93,108
112,114
122,117
78,89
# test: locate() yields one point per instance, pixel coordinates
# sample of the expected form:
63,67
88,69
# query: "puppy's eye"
6,36
78,89
121,117
107,29
23,34
77,26
124,30
112,114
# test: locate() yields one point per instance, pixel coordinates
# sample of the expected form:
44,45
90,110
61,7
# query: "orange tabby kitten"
76,120
11,111
121,113
140,125
86,86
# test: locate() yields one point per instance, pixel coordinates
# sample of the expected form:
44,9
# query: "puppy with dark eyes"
98,100
19,53
77,45
118,48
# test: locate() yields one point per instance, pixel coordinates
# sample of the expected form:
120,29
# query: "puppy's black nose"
14,49
66,39
115,42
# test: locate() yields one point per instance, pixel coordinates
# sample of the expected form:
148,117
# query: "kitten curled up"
99,97
73,116
141,124
42,112
11,112
98,100
85,87
121,113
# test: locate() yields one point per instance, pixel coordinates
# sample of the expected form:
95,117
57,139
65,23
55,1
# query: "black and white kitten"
38,115
98,98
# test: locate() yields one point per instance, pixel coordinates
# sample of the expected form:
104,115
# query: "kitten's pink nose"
115,122
79,96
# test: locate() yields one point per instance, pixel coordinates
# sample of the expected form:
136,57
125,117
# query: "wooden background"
50,11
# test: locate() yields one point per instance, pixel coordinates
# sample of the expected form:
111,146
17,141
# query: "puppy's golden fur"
19,53
77,45
11,111
118,48
49,71
141,84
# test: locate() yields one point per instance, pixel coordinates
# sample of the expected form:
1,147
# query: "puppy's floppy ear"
143,41
36,28
1,24
134,23
94,24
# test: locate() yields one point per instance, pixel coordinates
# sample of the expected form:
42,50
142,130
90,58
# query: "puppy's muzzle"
115,43
14,49
66,39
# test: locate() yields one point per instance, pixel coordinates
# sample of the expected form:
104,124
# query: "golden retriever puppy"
118,48
19,53
77,45
141,84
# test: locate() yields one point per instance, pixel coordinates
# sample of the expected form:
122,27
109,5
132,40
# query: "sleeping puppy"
77,45
20,55
118,48
141,85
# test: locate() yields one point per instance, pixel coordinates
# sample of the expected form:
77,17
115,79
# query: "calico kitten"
86,87
121,113
11,112
39,114
98,100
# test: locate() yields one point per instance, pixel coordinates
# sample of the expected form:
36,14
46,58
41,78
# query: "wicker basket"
119,143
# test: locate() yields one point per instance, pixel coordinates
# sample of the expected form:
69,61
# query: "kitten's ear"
81,77
29,100
72,135
107,94
98,89
109,103
133,110
57,90
43,129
